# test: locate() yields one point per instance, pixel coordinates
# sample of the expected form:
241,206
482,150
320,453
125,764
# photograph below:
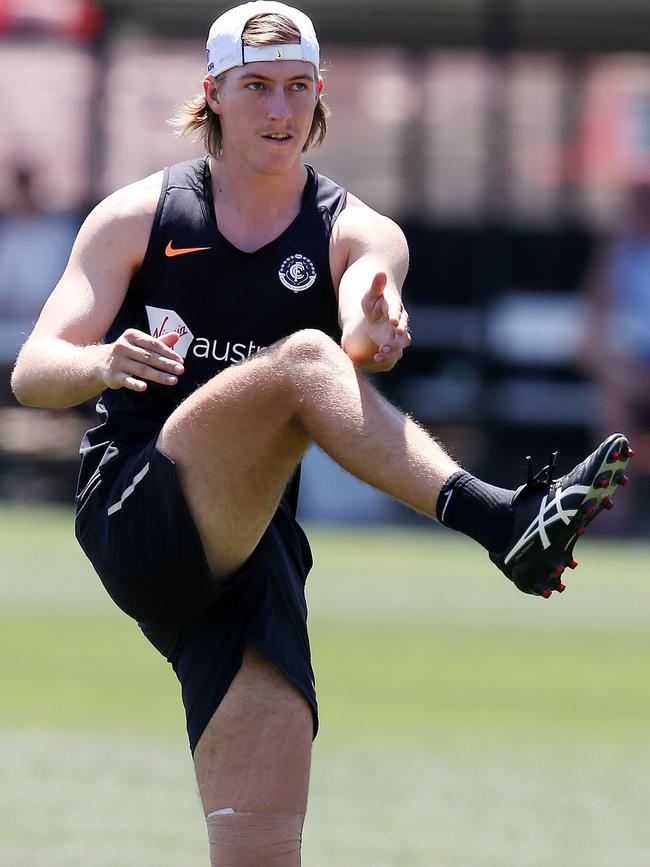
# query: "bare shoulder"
138,198
125,217
362,231
107,252
359,222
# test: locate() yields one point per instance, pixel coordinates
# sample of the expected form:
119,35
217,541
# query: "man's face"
266,111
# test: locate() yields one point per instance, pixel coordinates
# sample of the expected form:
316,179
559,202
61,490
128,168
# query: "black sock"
477,509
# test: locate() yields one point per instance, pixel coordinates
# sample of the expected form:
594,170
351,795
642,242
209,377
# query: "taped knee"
254,839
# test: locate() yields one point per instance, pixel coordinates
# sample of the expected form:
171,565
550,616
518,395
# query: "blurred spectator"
38,449
79,19
34,247
616,348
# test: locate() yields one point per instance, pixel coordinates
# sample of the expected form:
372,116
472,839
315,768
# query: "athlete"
225,310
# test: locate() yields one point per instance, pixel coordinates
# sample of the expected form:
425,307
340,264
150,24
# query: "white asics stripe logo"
548,514
127,493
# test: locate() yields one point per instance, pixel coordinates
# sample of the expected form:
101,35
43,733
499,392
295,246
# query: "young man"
239,296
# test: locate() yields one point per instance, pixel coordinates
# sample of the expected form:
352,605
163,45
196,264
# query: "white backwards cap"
225,48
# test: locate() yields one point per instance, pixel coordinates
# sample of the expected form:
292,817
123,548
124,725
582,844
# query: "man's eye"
255,85
299,85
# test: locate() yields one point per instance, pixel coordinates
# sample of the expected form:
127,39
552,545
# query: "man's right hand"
135,358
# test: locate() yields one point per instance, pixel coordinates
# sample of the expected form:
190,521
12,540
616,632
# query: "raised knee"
311,345
262,839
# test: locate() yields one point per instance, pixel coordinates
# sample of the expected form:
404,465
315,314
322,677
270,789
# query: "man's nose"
279,106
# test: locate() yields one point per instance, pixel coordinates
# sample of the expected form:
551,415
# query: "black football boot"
551,514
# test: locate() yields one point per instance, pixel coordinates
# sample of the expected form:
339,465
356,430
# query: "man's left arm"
373,318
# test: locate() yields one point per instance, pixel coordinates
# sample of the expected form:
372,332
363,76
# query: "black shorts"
134,525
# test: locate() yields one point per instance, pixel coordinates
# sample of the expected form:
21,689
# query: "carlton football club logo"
297,273
162,321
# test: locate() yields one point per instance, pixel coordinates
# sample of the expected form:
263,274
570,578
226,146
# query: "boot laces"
543,476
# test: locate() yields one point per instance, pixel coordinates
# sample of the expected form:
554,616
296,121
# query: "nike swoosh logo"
180,251
447,496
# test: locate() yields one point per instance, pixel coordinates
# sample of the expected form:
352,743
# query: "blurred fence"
504,168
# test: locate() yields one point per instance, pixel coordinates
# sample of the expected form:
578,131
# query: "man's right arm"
62,363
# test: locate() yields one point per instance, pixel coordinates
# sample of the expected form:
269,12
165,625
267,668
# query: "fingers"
391,350
135,370
160,345
378,284
389,303
402,328
170,339
373,303
388,355
155,359
137,358
133,384
395,311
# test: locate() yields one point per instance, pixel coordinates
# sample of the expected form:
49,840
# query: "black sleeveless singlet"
225,303
132,520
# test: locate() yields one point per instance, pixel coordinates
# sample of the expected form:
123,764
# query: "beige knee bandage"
254,840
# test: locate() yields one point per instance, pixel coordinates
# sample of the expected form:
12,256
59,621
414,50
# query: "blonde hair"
197,119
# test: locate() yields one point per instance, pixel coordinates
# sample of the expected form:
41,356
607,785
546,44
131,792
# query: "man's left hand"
386,324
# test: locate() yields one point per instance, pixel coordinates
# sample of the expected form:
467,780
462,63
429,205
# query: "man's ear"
211,90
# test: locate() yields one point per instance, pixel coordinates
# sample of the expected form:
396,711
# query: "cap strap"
252,54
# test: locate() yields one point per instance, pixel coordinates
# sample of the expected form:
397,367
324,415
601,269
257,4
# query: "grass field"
462,724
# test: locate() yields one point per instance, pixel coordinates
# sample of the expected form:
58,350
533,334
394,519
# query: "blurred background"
462,724
510,139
